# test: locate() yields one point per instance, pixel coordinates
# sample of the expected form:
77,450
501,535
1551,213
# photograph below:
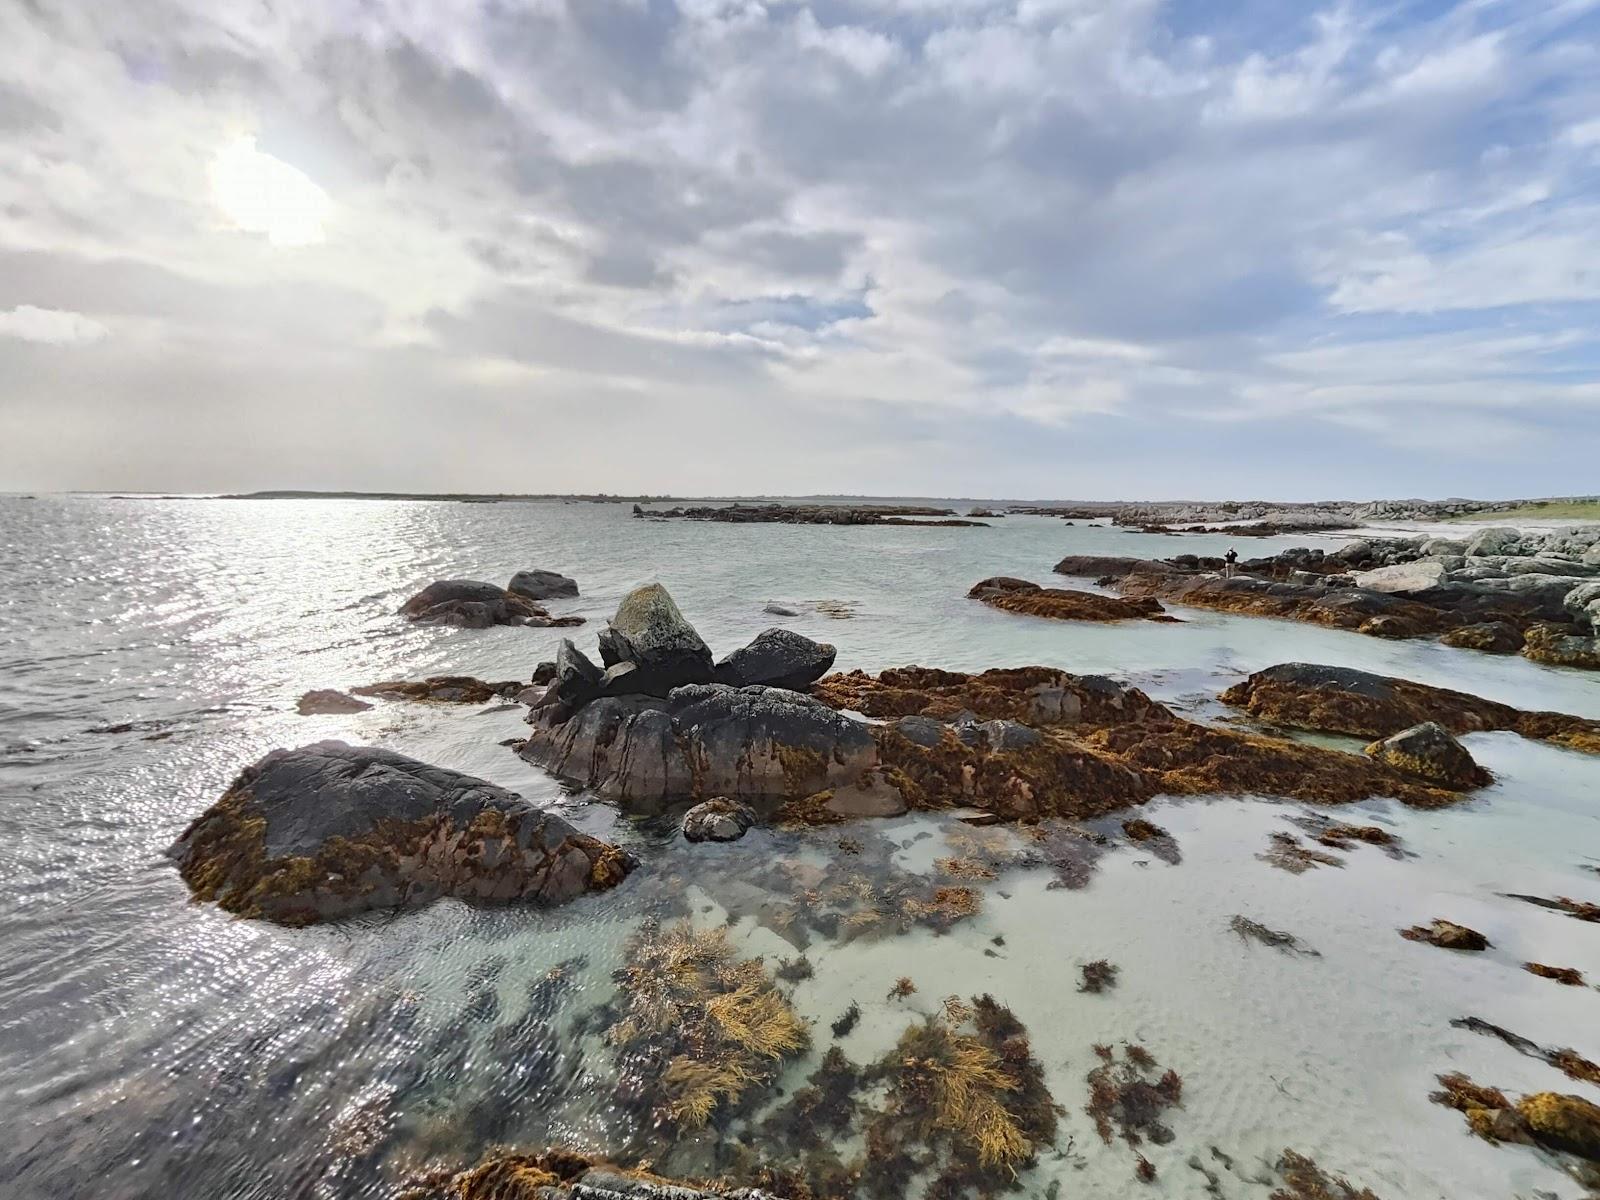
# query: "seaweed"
902,988
1303,1179
847,1022
1447,935
1276,938
1285,852
1568,1061
1098,976
1558,1123
794,970
1580,910
1570,976
1128,1098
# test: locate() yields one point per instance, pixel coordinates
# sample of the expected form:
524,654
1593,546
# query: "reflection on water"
150,1047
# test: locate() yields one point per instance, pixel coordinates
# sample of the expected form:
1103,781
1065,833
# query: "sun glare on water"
262,194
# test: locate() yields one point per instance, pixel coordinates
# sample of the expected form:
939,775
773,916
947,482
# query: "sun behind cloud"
262,194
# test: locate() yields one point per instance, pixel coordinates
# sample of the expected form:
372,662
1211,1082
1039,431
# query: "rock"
1429,752
1361,704
1020,596
442,689
1447,935
542,585
1096,566
1388,627
544,672
563,1175
1439,547
650,632
328,830
328,702
1583,602
472,604
871,796
1402,580
773,608
1562,1122
1557,647
777,658
576,682
1497,539
1491,637
718,820
815,514
702,740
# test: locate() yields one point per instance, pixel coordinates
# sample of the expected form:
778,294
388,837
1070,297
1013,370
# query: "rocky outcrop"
777,658
812,514
1556,647
562,1175
1020,596
543,585
472,604
718,820
328,830
1429,752
443,689
1491,637
700,741
1361,704
651,637
328,702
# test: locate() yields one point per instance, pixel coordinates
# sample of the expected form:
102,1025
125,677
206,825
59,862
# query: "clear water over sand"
150,649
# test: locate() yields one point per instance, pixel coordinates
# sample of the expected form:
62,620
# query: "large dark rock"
649,632
473,604
1429,752
701,741
443,689
542,585
777,658
575,681
329,702
329,829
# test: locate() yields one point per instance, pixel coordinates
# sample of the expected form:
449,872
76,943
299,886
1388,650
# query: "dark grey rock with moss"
718,820
1429,751
649,632
777,658
543,585
473,604
329,829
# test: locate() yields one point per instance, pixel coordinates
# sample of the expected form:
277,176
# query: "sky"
1011,248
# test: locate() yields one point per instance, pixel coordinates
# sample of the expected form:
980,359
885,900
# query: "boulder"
1563,1122
1583,602
1403,580
702,740
1497,539
328,830
1439,547
1491,637
542,585
328,702
1430,752
649,632
1020,596
718,820
1557,646
442,689
575,682
472,604
777,658
544,672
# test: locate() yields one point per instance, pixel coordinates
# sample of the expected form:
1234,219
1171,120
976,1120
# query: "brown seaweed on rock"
1285,852
1060,604
1128,1098
1303,1179
1569,1062
1556,1122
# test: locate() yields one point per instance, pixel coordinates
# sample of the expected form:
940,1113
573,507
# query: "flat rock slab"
329,829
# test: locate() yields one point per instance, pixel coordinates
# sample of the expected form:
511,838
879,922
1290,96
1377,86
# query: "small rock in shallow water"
542,585
718,820
328,702
1430,752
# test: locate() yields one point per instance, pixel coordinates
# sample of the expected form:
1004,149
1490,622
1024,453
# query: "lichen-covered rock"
1491,637
702,740
328,702
1403,579
777,658
443,689
1429,752
718,819
542,585
328,830
1362,704
1020,596
1558,647
1568,1123
472,604
649,632
1447,935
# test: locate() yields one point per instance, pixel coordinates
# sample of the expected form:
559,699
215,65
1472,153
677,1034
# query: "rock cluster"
1361,704
328,830
473,604
811,514
1021,596
1502,591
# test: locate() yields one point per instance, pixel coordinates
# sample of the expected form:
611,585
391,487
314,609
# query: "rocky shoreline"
811,514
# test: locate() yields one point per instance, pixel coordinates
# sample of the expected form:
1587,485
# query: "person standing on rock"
1230,563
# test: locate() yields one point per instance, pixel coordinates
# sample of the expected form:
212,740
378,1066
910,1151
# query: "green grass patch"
1539,510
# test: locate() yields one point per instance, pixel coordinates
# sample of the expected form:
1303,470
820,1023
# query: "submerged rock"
472,604
702,740
562,1175
777,658
329,702
443,689
1020,596
1430,752
328,830
542,585
1361,704
649,632
718,820
1555,647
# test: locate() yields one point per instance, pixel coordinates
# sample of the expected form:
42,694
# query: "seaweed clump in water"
1098,976
1303,1179
1556,1122
966,1102
1570,976
1128,1097
699,1028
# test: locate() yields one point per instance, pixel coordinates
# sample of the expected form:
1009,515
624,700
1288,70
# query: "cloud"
1058,240
50,325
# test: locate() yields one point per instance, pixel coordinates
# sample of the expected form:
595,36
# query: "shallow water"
150,649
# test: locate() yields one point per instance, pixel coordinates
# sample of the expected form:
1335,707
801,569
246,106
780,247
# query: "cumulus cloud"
1053,247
